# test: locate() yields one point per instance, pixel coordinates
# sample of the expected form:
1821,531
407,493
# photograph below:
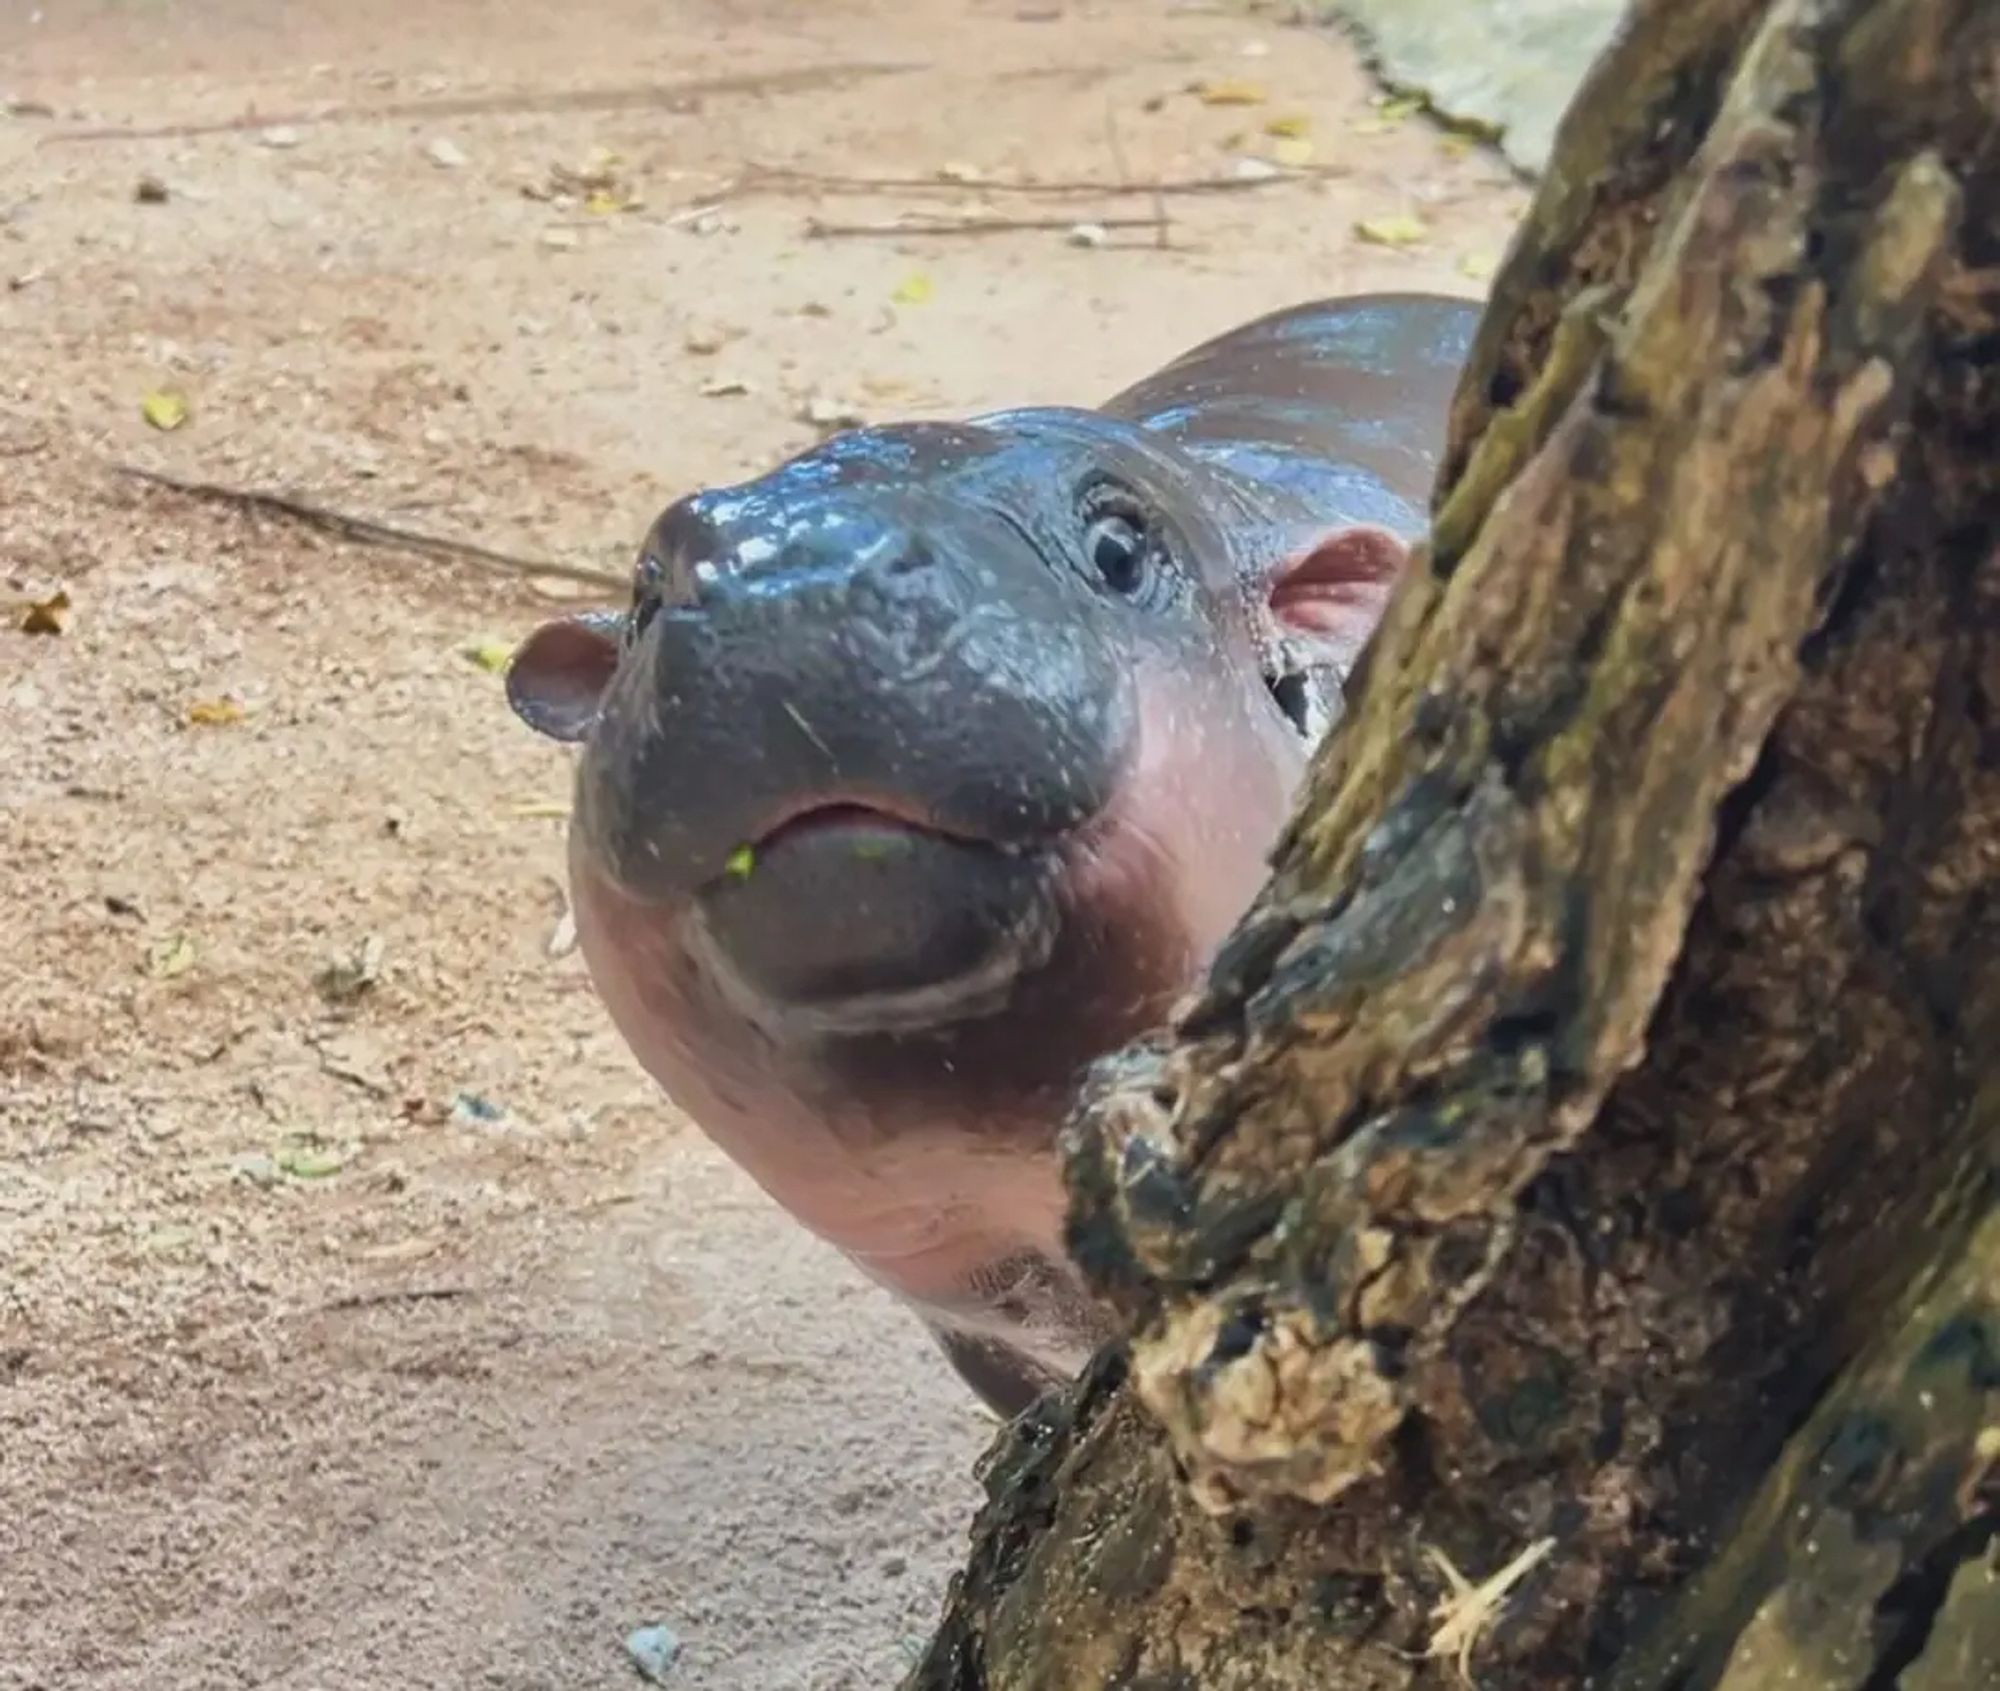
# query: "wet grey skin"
935,763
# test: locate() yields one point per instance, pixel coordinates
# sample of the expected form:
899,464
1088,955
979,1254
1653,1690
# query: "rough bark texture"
1580,1165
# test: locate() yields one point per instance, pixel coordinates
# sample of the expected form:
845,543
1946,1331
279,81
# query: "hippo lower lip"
844,919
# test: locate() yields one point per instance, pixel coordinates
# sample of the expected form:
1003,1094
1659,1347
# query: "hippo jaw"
848,919
847,915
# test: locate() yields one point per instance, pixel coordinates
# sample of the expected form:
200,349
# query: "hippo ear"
557,679
1333,593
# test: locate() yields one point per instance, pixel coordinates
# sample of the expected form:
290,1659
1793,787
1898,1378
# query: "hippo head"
919,773
932,765
890,732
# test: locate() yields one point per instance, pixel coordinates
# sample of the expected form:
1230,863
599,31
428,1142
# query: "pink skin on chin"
922,1198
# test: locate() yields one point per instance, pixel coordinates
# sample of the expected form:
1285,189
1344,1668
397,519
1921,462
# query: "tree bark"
1559,1237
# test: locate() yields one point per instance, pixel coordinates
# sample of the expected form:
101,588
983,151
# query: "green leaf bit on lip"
741,861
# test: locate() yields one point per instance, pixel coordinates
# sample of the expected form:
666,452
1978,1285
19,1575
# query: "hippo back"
1341,401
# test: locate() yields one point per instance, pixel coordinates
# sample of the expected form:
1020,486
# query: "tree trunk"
1560,1237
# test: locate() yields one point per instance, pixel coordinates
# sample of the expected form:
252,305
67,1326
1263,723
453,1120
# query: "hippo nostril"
910,559
669,583
687,582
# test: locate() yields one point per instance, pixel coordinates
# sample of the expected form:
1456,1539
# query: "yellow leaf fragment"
914,289
740,863
1294,152
304,1160
1402,230
1230,92
596,184
165,409
169,957
214,713
1293,126
1392,111
1479,266
490,655
46,616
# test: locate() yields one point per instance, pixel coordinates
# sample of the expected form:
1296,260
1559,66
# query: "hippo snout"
859,669
855,754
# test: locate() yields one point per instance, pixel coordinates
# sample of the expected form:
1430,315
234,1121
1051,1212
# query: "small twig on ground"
819,231
393,1294
775,178
1120,163
797,79
1115,145
335,1069
365,531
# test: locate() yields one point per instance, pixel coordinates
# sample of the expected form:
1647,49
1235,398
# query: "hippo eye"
1119,552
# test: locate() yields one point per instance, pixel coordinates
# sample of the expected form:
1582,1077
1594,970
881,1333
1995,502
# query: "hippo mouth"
848,916
856,816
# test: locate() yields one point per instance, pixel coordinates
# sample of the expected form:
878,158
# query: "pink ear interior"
1335,591
557,679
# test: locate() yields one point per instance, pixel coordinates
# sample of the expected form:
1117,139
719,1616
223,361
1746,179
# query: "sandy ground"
407,1338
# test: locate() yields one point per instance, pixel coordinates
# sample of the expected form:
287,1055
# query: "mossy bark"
1582,1160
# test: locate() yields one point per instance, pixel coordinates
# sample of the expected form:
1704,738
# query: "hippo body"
935,763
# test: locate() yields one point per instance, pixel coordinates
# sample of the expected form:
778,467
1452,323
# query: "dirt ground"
400,1335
